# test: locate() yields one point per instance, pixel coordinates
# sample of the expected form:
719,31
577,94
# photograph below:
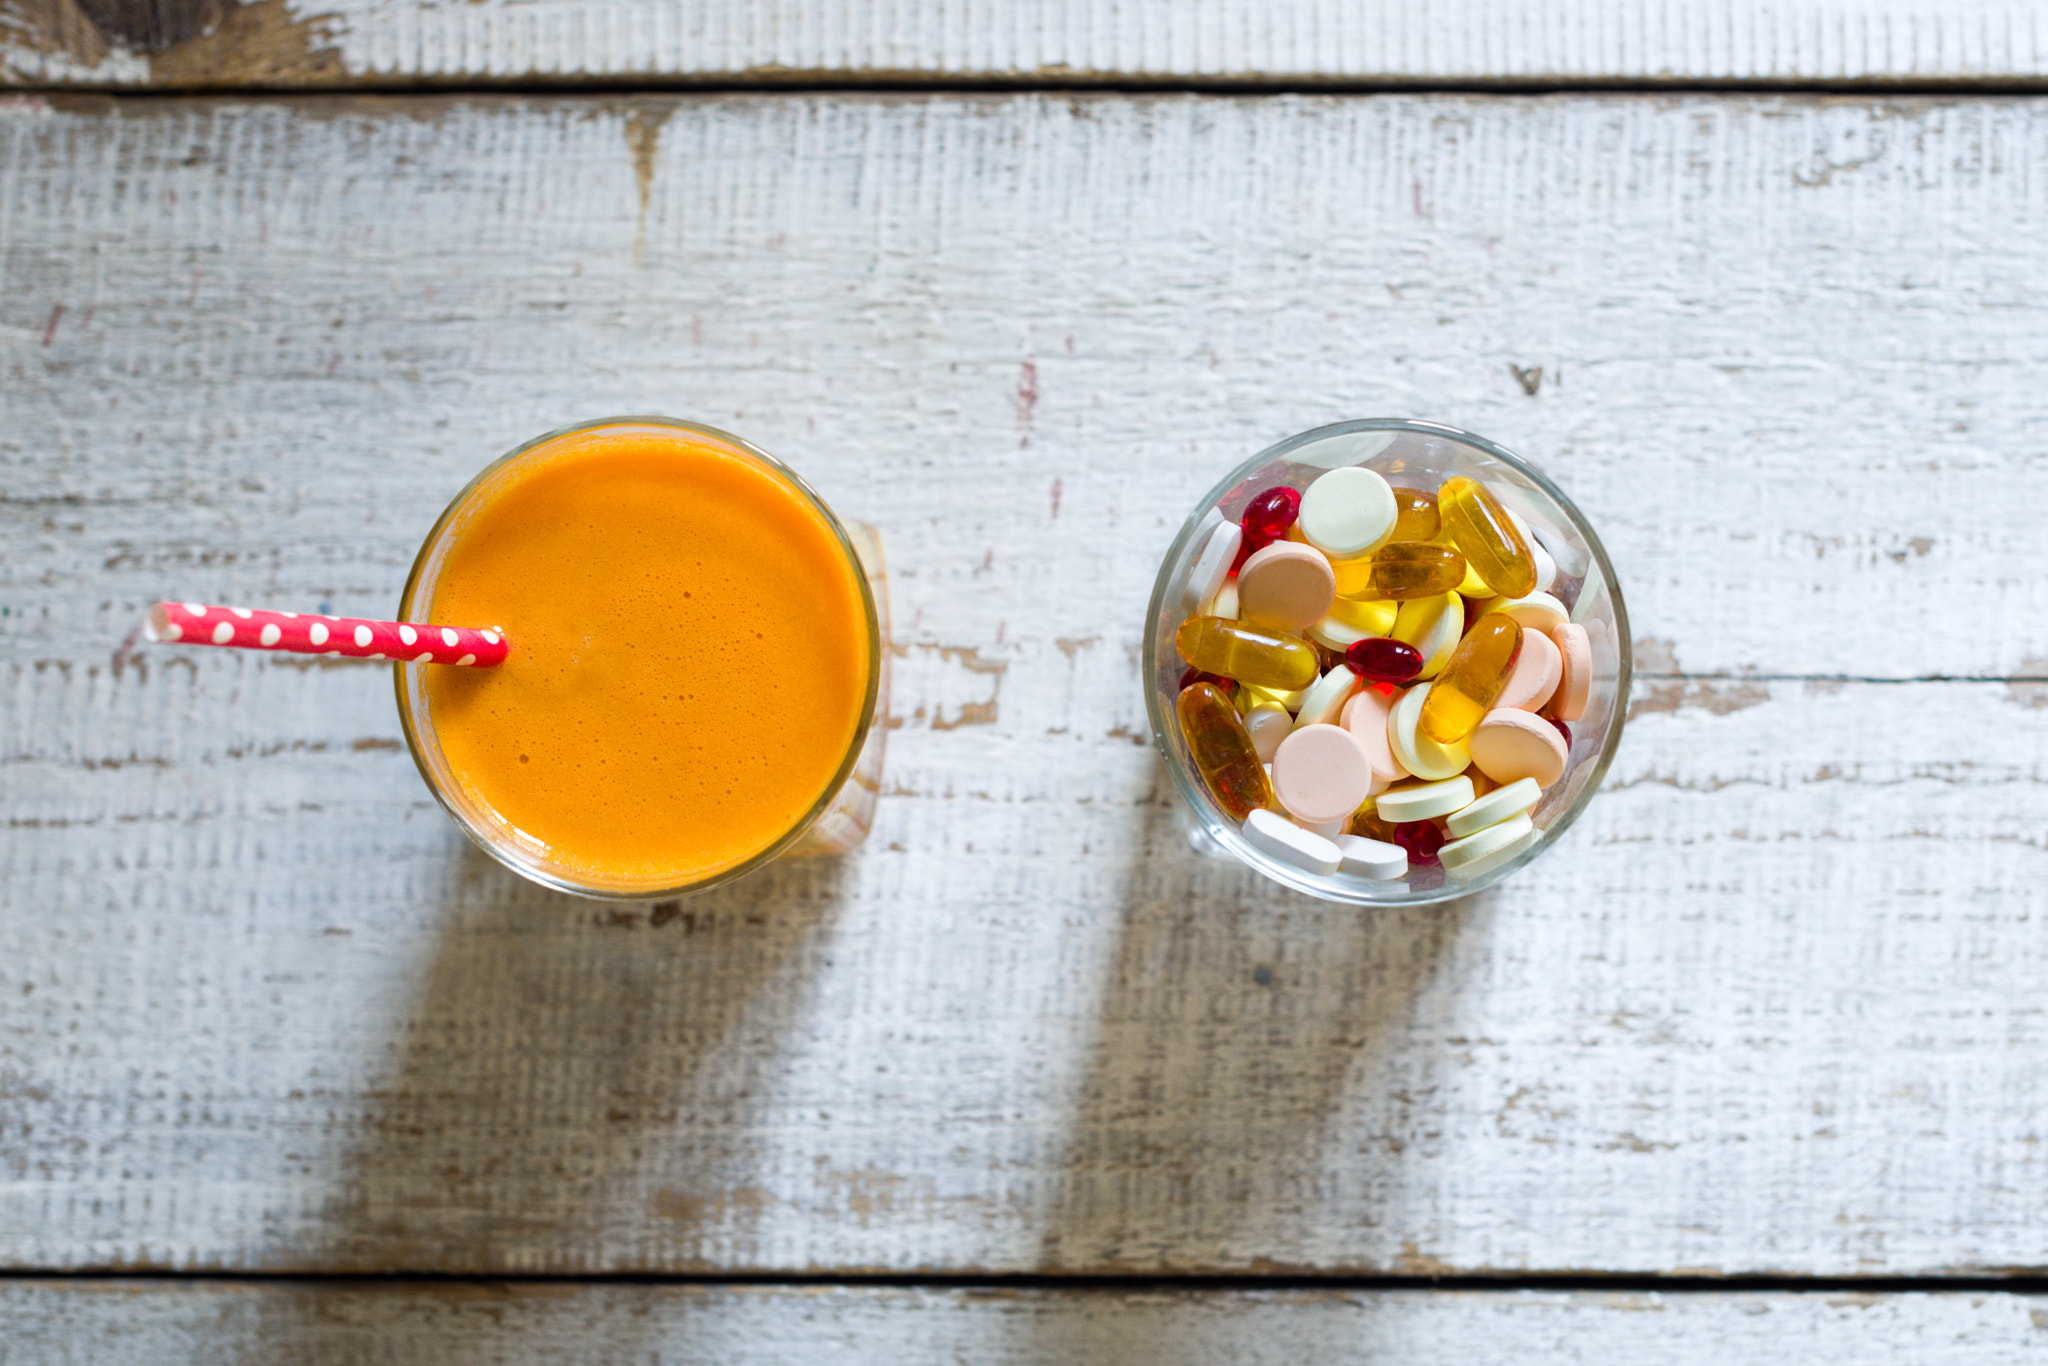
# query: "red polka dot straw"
250,628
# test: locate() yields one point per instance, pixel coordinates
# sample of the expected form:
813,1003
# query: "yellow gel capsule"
1400,571
1223,750
1466,689
1479,527
1271,659
1415,515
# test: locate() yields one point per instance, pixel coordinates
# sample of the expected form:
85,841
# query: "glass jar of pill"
697,660
1509,818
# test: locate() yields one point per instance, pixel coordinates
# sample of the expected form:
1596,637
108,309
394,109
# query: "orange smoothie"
690,655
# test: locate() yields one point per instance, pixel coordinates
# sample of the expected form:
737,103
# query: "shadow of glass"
1244,1031
572,1089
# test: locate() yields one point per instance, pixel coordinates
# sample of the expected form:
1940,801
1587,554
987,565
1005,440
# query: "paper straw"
250,628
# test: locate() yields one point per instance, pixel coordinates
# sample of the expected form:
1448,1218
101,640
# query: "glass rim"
490,840
1195,793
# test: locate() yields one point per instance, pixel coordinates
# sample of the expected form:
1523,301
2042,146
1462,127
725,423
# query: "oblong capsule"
1477,671
1479,527
1223,750
1400,571
1415,515
1270,659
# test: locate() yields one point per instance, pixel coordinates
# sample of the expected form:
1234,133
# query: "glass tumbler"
1421,455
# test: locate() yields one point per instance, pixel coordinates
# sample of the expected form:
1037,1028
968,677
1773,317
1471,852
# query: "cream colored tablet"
1225,605
1539,612
1501,804
1431,625
1324,705
1268,724
1423,801
1347,513
1488,849
1419,754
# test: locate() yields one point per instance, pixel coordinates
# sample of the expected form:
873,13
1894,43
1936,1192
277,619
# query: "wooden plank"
195,1324
1772,1007
218,44
302,327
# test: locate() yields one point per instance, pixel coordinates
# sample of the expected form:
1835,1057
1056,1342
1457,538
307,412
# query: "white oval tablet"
1419,754
1370,858
1489,848
1424,800
1271,833
1347,512
1324,704
1503,803
1211,568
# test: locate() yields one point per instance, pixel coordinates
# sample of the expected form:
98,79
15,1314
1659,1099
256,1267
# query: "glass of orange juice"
697,658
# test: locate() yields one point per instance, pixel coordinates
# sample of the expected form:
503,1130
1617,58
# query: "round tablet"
1576,651
1433,626
1365,716
1417,753
1268,724
1347,513
1324,704
1534,678
1509,745
1538,612
1424,800
1503,803
1285,587
1487,849
1320,774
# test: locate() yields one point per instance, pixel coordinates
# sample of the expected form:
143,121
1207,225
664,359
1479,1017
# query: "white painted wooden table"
1767,1023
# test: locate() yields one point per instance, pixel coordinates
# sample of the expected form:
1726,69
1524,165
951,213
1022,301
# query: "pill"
1324,704
1487,849
1363,857
1575,649
1421,839
1268,724
1365,716
1433,626
1211,568
1288,699
1374,618
1535,674
1225,604
1400,571
1503,803
1268,659
1347,513
1546,566
1320,773
1415,515
1480,528
1535,611
1381,659
1270,514
1223,751
1466,689
1191,676
1423,801
1335,634
1509,745
1275,835
1329,830
1417,753
1285,587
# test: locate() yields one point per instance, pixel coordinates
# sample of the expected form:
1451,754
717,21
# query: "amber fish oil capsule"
1268,659
1480,528
1401,571
1477,671
1223,750
1415,515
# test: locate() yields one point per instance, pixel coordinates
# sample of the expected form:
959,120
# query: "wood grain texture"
328,43
1772,1007
194,1325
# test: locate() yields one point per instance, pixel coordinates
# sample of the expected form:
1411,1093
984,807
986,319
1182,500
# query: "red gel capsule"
1191,676
1380,660
1271,514
1562,729
1249,546
1420,838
